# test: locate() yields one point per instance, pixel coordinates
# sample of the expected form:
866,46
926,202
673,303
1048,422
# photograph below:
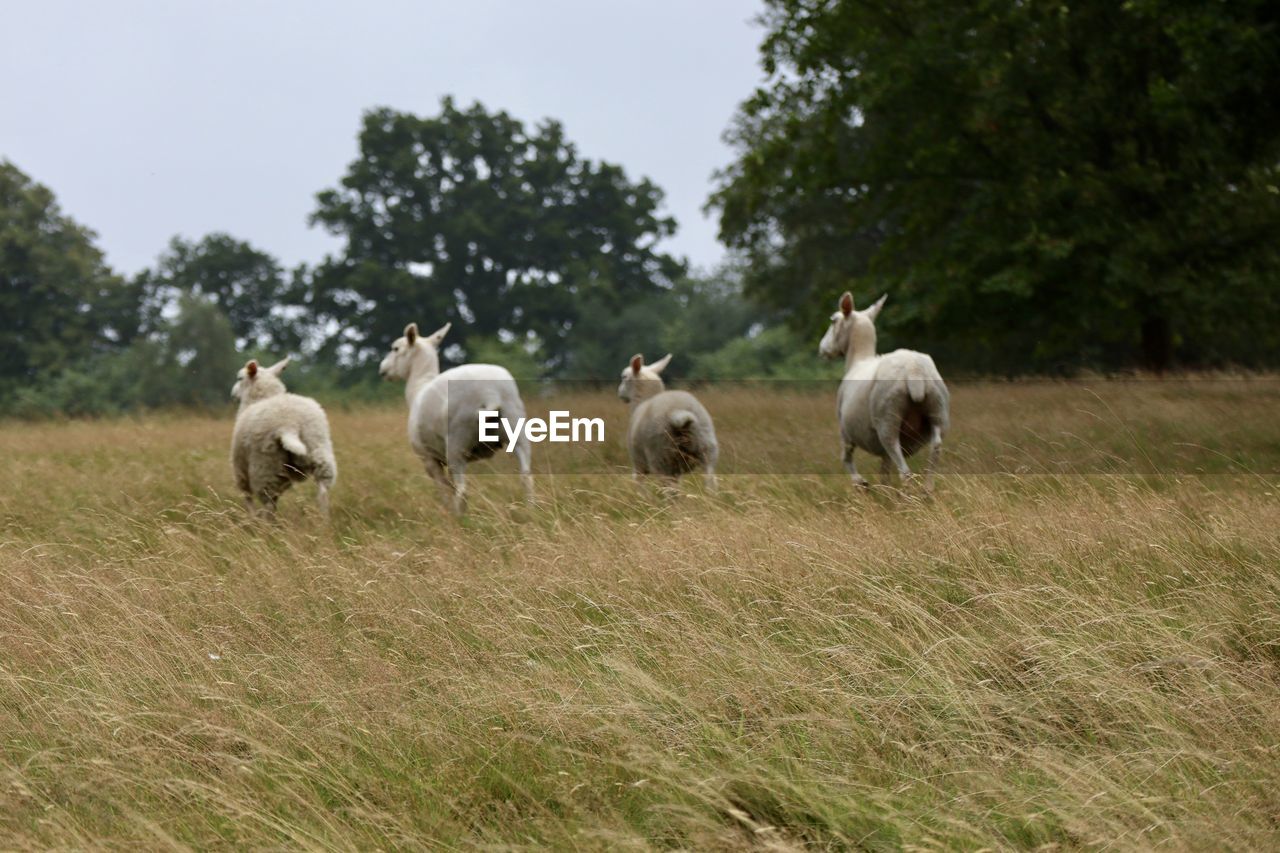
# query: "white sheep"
671,433
279,439
890,405
444,427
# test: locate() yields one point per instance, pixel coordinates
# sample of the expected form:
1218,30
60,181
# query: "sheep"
444,428
279,439
889,405
671,433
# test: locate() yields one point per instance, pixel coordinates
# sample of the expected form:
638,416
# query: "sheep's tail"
292,442
916,382
684,429
681,420
320,463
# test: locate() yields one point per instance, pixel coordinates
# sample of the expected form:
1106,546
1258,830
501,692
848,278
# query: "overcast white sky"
149,119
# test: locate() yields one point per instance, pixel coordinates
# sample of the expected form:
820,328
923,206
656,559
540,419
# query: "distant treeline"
1040,188
543,263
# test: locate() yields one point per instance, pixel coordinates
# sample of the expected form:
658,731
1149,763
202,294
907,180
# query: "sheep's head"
411,352
254,383
641,381
850,328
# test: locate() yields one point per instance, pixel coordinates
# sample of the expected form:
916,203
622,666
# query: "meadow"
1075,642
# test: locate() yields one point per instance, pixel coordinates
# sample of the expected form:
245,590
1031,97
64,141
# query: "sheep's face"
836,340
850,328
641,381
254,383
411,353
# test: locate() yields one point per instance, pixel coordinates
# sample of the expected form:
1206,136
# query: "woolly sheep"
889,405
279,439
444,429
671,433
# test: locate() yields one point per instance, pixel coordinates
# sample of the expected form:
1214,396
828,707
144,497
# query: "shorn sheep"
279,439
444,428
671,433
890,405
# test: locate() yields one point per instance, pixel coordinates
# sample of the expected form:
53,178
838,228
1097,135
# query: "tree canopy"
1036,184
58,300
470,217
247,284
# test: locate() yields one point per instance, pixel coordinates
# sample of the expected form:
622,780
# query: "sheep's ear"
661,364
411,333
438,335
846,303
637,362
278,368
874,310
251,369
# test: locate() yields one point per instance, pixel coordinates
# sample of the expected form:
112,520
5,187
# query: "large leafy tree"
471,217
247,284
59,303
1036,183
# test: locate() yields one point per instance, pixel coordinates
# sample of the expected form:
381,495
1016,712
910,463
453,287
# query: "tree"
775,352
472,218
189,360
522,358
697,314
200,350
247,284
1037,184
58,300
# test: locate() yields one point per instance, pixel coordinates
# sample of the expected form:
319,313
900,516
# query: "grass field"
1076,642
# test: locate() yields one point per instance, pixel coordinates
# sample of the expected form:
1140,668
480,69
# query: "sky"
175,117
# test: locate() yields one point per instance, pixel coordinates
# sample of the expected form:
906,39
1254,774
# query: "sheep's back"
651,438
876,390
256,437
903,363
445,409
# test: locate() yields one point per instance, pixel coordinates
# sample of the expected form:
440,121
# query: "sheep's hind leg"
268,501
935,450
639,469
893,455
322,498
858,479
262,494
524,457
458,474
436,472
670,486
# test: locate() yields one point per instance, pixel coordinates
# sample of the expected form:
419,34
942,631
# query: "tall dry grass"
1076,642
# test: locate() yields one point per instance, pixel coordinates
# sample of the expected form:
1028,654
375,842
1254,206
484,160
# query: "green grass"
1076,642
